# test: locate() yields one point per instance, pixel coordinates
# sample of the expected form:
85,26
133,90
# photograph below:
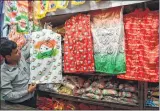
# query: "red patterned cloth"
78,48
141,31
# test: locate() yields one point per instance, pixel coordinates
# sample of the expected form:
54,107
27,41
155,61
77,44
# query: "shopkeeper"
15,75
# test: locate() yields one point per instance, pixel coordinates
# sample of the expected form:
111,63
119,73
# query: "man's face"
15,55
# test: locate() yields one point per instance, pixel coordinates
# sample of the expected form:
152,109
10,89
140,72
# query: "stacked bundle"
17,37
98,88
78,49
127,94
153,97
44,103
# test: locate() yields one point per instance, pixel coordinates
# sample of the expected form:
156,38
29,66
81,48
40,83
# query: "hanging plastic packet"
62,4
30,10
10,12
40,9
52,6
77,2
36,26
22,6
22,25
36,9
22,17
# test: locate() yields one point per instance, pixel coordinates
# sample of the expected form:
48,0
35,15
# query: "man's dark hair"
6,47
3,39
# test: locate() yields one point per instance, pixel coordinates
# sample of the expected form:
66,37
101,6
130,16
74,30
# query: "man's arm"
26,50
7,90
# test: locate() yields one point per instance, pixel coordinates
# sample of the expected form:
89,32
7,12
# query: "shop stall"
90,55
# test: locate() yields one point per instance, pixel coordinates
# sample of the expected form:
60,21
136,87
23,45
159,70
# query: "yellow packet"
52,6
40,9
36,8
78,2
62,4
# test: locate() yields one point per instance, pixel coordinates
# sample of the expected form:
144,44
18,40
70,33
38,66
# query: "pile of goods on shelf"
153,97
99,88
44,103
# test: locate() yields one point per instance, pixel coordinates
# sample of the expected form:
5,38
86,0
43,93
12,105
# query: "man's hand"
31,88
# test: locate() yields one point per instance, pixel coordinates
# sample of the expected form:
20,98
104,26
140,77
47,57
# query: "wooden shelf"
151,108
88,101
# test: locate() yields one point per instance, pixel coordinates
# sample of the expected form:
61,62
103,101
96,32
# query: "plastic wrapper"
11,12
87,83
125,94
157,103
44,103
69,106
155,93
109,92
52,6
23,6
77,81
128,94
94,90
62,4
23,23
55,87
69,85
17,37
150,103
155,99
99,85
22,17
79,91
111,85
60,30
40,9
65,90
127,87
59,105
36,26
30,10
